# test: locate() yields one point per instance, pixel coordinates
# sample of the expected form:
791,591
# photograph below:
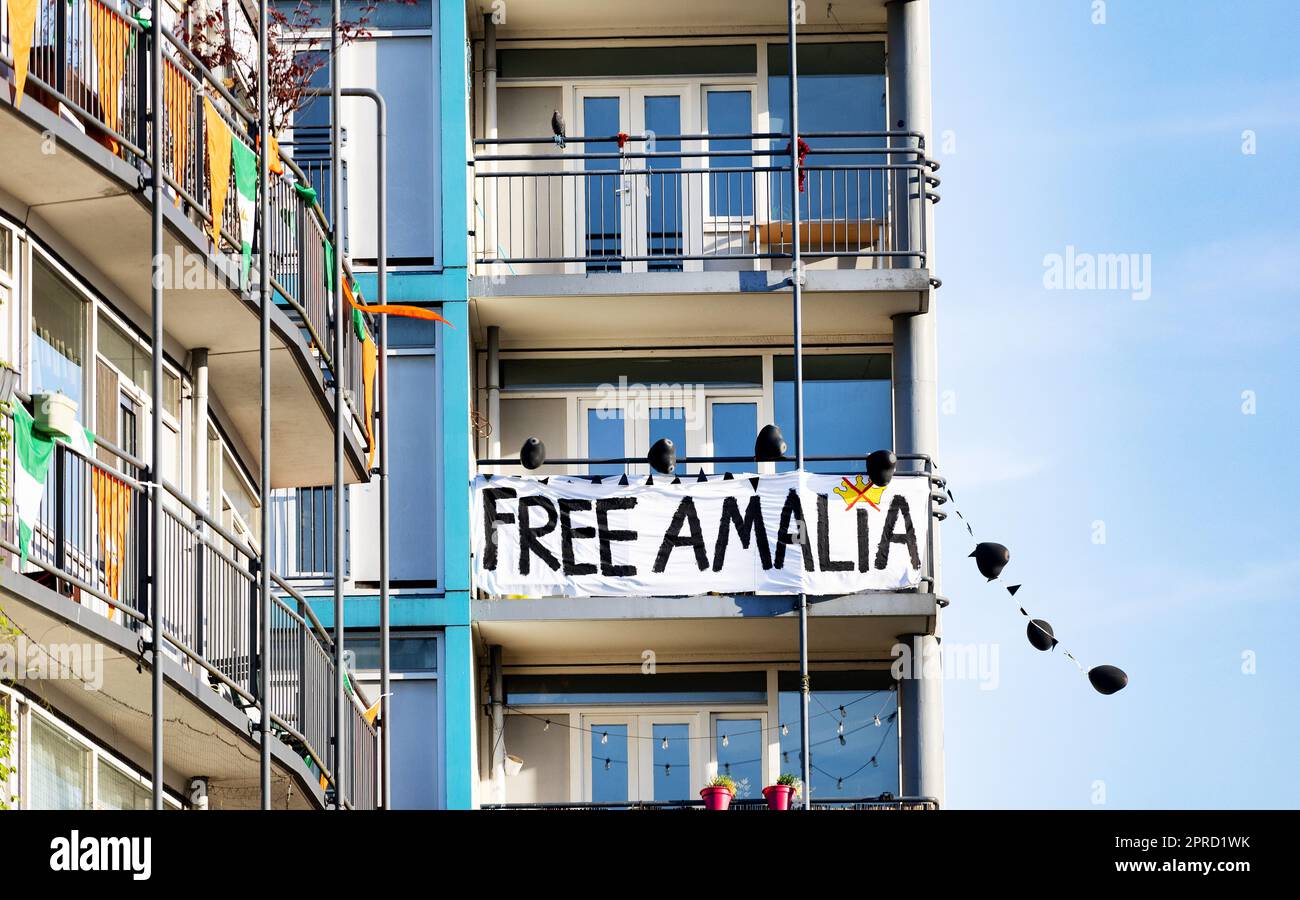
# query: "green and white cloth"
244,161
33,450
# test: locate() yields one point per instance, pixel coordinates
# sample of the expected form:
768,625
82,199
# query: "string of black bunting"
991,558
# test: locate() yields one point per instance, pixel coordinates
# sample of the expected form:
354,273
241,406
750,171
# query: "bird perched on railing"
557,127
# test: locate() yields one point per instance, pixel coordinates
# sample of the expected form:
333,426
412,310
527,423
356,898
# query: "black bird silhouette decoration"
557,127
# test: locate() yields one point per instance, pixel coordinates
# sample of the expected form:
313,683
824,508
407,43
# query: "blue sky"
1069,408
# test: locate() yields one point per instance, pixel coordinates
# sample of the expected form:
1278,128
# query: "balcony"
76,170
555,630
856,804
86,581
677,218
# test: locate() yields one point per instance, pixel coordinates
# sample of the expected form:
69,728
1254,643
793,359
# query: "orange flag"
22,30
112,513
180,99
369,363
218,140
111,38
393,309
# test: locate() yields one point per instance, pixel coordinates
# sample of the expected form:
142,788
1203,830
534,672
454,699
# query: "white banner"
820,534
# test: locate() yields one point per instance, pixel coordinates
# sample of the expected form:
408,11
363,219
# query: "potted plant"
779,795
717,793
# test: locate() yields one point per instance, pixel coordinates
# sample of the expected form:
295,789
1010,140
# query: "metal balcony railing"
75,62
691,202
91,542
884,802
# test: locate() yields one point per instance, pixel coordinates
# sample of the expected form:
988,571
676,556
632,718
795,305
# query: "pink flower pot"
716,797
778,796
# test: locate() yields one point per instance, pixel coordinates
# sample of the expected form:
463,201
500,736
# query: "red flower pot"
716,797
778,796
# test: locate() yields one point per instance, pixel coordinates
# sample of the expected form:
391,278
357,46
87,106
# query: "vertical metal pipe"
796,285
498,735
336,299
490,76
385,662
264,358
494,390
155,417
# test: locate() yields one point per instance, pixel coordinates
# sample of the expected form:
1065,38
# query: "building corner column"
915,377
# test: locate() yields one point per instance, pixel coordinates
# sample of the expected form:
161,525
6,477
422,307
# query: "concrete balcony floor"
105,694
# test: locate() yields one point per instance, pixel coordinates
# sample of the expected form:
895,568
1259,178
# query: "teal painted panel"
458,704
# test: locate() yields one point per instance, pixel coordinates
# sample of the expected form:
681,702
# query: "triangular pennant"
727,476
1023,612
970,530
649,480
488,476
1011,589
218,144
597,479
703,477
950,496
22,30
753,482
622,482
546,480
675,481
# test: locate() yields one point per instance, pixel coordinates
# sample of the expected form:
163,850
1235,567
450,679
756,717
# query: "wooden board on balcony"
820,233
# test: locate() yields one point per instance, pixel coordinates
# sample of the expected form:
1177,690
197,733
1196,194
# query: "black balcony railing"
861,803
74,62
90,542
647,203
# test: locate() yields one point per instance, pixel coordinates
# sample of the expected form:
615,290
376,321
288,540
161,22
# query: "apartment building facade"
633,228
622,281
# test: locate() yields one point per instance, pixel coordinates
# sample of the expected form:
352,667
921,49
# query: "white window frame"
24,712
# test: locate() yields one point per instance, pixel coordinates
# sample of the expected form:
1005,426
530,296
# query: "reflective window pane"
853,757
605,440
734,427
663,116
672,762
58,334
603,211
739,746
609,764
730,193
848,408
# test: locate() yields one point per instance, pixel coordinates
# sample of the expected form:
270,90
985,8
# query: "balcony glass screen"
733,59
848,407
852,756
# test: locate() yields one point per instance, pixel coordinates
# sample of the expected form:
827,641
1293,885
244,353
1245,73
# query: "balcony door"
629,758
632,213
629,425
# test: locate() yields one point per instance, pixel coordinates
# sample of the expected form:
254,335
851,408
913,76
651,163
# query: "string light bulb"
547,726
664,745
839,784
726,741
875,720
785,729
874,764
839,729
604,737
607,764
843,741
843,714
